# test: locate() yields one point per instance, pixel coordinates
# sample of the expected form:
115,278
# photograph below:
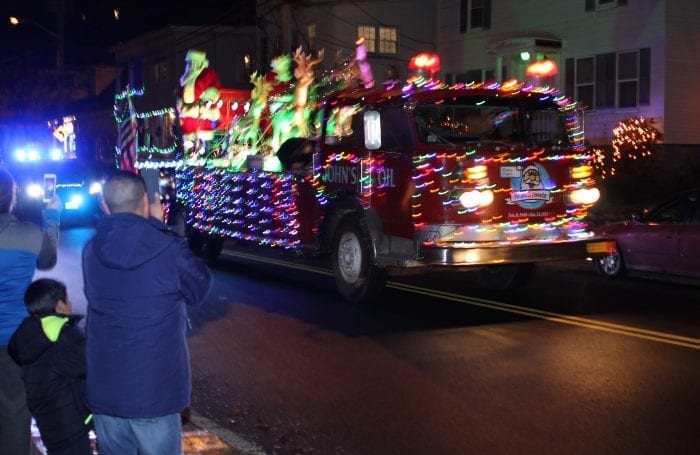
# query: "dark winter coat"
24,247
51,352
139,277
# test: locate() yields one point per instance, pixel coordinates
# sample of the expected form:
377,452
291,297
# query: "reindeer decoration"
258,102
285,126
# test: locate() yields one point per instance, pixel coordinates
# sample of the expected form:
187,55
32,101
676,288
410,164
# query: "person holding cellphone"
139,278
24,247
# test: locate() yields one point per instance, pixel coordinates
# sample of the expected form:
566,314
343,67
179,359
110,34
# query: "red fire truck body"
410,179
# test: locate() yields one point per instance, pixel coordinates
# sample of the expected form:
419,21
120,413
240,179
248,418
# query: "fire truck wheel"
195,240
357,278
212,247
204,245
611,265
505,277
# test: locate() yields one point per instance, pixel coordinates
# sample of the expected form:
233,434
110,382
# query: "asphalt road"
570,364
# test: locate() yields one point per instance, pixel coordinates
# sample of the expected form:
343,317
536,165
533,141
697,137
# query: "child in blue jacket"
50,350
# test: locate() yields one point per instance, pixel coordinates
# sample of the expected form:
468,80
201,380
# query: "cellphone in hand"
49,187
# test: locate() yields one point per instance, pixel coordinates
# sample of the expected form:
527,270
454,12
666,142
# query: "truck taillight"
581,172
476,198
584,196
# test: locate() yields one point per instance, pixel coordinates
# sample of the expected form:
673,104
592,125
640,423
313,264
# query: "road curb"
241,445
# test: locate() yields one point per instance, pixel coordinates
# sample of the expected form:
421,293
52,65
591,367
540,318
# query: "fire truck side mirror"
373,130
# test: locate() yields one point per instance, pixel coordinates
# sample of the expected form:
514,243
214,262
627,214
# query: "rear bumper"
491,253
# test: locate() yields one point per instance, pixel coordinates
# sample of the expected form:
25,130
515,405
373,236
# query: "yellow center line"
661,337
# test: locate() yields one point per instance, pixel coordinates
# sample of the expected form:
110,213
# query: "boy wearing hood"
50,350
139,277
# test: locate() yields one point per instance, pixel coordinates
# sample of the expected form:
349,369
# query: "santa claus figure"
198,103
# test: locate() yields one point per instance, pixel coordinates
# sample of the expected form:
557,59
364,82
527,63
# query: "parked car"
664,239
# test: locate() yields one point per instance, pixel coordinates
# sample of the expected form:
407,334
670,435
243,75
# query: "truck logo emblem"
529,186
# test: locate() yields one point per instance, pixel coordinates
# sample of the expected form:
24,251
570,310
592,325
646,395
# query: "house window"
475,13
597,5
628,78
585,81
311,36
387,40
605,80
160,72
611,80
369,33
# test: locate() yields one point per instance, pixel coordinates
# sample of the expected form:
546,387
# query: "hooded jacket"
51,352
139,276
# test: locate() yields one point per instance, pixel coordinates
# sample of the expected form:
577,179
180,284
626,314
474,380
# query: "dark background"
90,28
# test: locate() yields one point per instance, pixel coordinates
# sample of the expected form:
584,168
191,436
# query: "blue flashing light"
74,203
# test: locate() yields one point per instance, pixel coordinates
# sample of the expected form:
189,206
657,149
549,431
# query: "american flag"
127,133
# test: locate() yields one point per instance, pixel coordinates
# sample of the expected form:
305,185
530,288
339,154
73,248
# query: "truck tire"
212,247
505,277
357,278
195,240
203,244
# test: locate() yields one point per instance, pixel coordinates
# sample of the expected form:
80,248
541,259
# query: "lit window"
311,35
382,40
369,33
387,40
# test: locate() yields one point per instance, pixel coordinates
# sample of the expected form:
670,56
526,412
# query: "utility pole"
61,59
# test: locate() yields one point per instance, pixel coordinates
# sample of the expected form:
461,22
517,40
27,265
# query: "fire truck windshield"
508,120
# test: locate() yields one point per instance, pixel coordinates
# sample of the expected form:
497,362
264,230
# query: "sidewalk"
196,440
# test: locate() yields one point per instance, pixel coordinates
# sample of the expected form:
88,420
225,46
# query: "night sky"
91,28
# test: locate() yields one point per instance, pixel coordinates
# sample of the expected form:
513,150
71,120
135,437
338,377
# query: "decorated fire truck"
394,177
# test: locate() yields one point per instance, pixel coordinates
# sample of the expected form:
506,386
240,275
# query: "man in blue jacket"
139,277
24,247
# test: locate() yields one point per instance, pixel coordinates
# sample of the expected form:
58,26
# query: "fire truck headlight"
581,172
476,198
584,196
95,188
35,190
477,172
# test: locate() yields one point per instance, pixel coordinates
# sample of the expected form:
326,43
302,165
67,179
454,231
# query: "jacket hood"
31,340
125,241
